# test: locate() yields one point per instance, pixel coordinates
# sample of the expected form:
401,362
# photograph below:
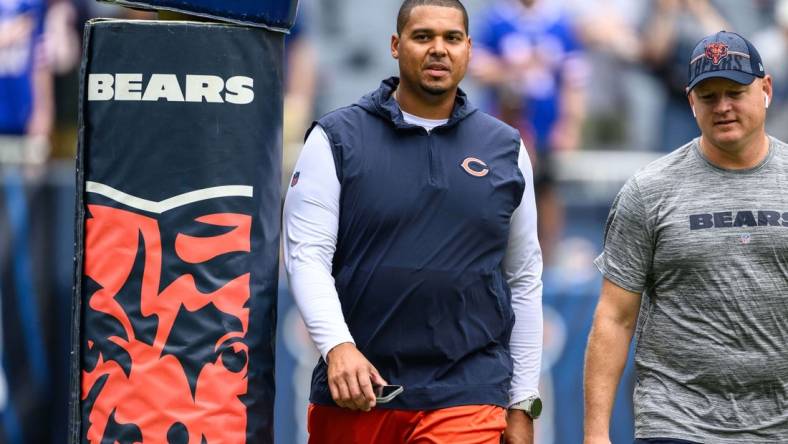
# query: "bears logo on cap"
716,51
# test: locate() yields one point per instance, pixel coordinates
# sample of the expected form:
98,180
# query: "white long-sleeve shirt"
311,221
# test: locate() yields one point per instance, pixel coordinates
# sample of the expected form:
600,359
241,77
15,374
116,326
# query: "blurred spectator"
300,85
63,45
26,91
746,17
528,55
626,96
62,42
670,33
773,45
609,26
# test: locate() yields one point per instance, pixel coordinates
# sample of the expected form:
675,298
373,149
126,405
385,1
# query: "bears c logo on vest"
476,172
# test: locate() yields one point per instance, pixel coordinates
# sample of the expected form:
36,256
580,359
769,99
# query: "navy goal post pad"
177,233
276,15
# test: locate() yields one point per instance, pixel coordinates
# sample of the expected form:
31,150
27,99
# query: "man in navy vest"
411,250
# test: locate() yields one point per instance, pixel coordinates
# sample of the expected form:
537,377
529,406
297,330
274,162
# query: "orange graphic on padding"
155,395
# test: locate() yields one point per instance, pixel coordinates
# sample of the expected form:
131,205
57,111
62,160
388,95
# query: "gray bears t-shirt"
708,250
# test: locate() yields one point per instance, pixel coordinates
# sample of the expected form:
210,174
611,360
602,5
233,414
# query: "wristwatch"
531,406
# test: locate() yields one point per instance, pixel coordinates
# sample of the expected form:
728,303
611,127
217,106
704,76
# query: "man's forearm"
606,357
519,428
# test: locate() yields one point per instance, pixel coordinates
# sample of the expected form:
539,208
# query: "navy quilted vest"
424,223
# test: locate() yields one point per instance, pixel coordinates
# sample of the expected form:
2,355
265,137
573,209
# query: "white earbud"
693,112
766,100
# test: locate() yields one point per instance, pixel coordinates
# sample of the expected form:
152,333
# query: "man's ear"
691,103
395,45
766,83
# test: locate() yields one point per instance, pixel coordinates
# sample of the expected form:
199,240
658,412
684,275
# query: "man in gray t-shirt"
696,262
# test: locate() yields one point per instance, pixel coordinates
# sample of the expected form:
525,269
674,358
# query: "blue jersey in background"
541,44
17,56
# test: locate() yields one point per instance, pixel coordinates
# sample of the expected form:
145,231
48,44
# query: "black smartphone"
385,393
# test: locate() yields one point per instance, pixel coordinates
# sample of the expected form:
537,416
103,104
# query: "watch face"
536,408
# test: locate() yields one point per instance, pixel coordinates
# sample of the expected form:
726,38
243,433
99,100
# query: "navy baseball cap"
727,55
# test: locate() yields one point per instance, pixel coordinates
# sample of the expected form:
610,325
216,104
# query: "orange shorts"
469,424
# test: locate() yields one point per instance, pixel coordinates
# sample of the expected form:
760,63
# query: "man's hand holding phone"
351,378
386,393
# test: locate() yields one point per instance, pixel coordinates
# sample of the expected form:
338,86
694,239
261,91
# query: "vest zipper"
434,166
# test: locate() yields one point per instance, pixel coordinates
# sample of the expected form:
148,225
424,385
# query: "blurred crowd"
40,53
607,74
571,75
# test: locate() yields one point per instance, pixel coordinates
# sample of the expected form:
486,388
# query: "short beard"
433,90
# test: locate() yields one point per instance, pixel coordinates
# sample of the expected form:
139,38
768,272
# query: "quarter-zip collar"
381,102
